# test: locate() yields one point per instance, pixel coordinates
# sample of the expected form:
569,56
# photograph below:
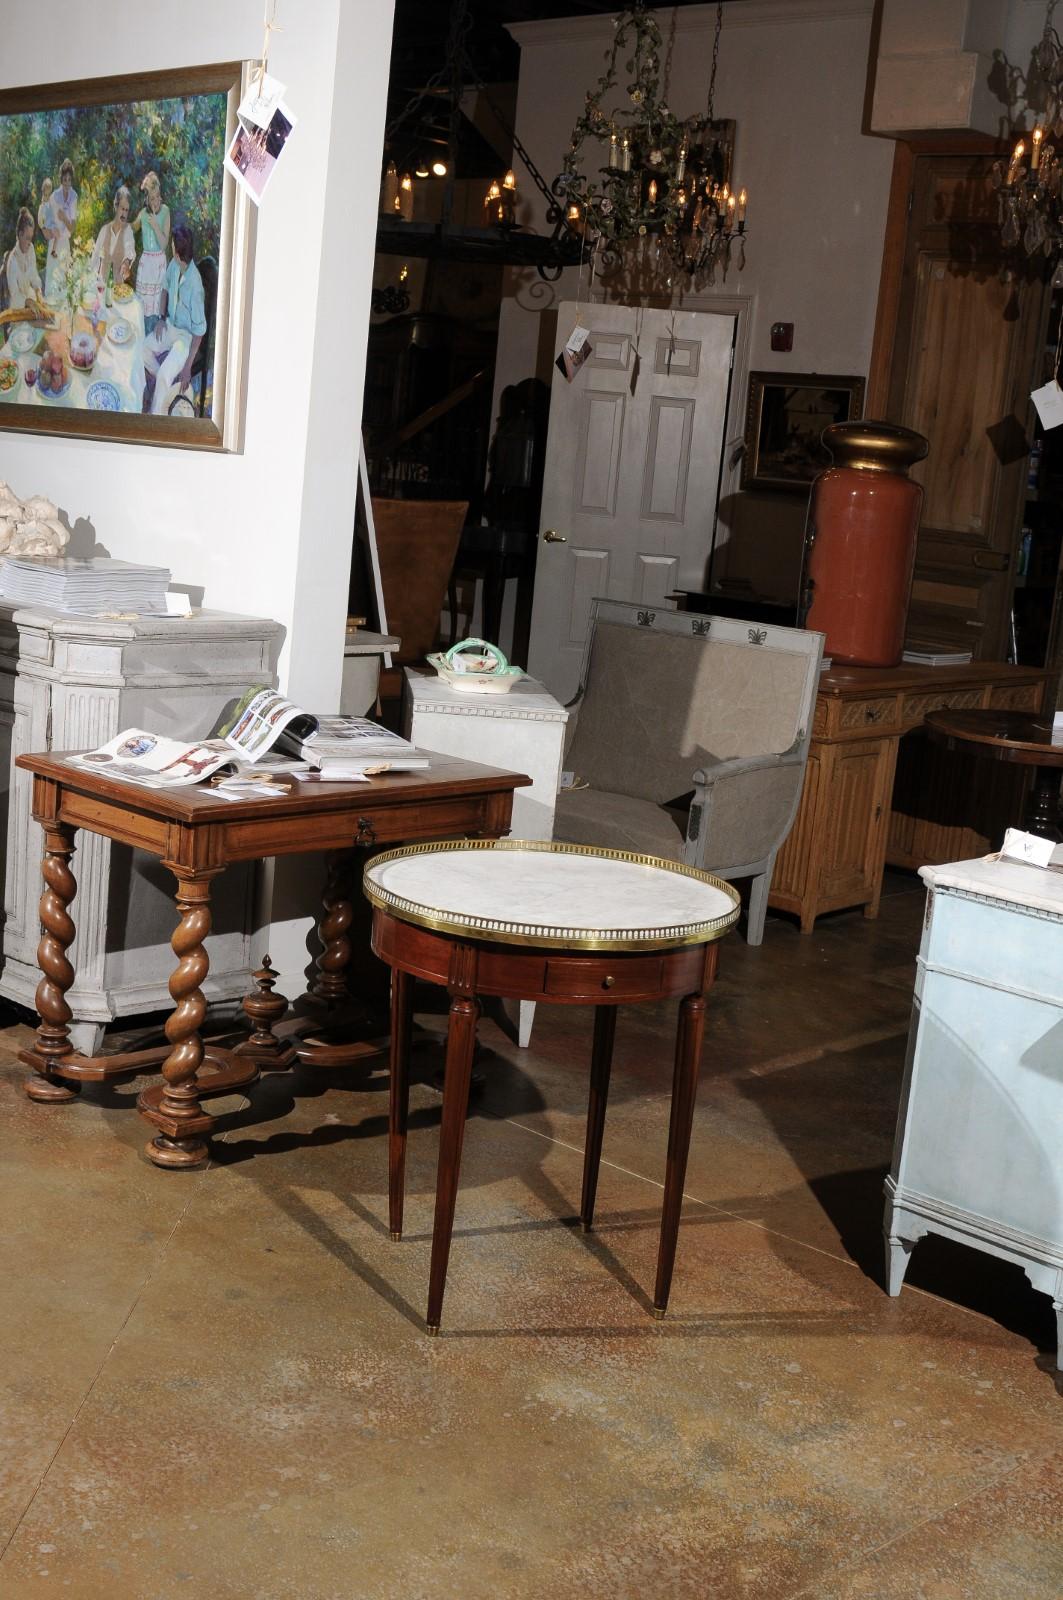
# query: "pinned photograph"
254,152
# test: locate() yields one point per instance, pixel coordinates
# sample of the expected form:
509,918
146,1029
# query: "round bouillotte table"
1017,737
558,924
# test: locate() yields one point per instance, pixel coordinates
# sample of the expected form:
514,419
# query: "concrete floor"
217,1383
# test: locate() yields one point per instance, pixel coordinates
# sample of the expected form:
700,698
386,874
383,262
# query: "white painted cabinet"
979,1151
523,731
70,683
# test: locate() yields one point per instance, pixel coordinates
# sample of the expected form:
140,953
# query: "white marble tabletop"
997,879
563,895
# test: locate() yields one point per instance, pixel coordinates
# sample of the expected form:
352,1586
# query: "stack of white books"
88,585
937,658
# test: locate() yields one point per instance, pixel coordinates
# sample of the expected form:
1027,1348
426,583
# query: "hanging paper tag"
261,100
576,350
1019,846
1049,403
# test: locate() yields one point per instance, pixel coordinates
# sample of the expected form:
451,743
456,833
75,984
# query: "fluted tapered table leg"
176,1111
689,1035
52,1046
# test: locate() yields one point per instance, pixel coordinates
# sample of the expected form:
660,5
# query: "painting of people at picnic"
110,226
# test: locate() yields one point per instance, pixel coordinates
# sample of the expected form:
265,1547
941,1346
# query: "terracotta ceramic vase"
863,520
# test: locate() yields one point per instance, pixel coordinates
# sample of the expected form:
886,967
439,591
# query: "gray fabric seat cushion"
617,822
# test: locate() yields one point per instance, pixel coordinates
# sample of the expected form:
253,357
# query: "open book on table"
265,737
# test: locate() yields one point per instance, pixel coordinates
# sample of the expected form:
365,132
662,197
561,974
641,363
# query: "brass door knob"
551,536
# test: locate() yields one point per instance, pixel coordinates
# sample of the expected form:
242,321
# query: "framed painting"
125,255
785,417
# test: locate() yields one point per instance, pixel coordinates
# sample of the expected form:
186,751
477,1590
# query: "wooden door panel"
968,324
960,322
601,430
655,577
589,577
667,470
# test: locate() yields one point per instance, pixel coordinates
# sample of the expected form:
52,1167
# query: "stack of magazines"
264,738
87,585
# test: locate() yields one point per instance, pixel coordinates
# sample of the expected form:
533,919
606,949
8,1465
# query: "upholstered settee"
691,738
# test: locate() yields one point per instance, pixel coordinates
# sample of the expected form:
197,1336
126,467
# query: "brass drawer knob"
607,983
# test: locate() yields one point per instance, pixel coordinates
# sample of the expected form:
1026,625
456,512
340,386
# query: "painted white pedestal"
69,683
523,731
363,652
979,1150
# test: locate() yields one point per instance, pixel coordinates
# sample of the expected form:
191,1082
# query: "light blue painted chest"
979,1149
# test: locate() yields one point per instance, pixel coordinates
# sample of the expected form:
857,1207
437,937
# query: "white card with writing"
1049,403
261,100
1019,846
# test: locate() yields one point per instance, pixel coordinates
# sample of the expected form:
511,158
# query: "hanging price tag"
1049,403
577,348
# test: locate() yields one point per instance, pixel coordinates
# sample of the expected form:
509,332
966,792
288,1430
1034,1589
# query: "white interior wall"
266,531
793,73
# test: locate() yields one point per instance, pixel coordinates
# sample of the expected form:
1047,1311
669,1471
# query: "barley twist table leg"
330,980
178,1113
53,1045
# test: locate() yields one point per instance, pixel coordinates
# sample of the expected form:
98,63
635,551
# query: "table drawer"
1016,697
623,978
917,707
859,715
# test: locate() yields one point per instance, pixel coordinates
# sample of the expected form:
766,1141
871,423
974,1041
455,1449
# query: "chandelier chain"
716,56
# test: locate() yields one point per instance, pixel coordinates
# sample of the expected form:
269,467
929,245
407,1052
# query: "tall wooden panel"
968,328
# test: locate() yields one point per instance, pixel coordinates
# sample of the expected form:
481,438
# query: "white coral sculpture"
30,527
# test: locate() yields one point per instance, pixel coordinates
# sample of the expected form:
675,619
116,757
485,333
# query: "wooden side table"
870,797
1018,740
196,834
563,925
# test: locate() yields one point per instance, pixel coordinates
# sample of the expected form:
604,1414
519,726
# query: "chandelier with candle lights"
1030,187
494,236
636,175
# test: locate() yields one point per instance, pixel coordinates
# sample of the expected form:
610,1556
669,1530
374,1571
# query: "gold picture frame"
785,416
40,131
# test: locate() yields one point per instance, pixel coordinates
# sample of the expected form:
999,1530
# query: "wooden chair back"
417,542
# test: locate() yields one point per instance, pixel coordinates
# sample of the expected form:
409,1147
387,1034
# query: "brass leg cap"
584,1227
396,1233
432,1328
658,1312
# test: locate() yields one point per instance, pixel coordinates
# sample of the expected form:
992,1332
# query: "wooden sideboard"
870,797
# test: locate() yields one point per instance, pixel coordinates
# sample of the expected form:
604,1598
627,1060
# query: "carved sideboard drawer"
859,715
821,719
1019,697
919,706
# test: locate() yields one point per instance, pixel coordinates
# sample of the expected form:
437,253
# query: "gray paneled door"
632,472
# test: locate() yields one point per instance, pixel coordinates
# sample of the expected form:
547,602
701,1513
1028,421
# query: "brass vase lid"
880,446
